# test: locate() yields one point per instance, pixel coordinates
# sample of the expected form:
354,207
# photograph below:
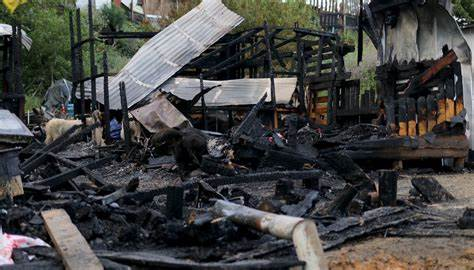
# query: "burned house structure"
12,95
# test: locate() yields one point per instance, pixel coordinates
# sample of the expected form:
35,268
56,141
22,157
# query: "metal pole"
81,66
125,120
92,57
203,102
106,100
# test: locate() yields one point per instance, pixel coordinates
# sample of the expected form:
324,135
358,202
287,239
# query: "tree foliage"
464,9
256,12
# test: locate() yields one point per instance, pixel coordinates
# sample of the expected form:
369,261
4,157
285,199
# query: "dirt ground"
415,253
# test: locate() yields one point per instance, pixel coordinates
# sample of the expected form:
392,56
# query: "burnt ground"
375,252
419,252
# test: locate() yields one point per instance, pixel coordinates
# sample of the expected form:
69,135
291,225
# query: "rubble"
278,189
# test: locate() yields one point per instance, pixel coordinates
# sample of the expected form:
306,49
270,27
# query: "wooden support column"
432,108
92,56
390,114
106,100
301,73
441,99
450,104
422,116
458,88
203,102
19,93
388,187
411,112
125,119
271,74
402,117
174,202
80,67
73,58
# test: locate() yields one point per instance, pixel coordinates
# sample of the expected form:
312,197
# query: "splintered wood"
69,242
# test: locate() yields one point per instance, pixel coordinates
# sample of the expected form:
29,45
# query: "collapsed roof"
167,52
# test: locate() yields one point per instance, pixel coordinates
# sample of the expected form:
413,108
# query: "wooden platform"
410,148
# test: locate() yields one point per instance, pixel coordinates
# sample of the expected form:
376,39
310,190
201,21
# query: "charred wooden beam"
60,145
125,119
411,114
402,117
106,99
70,174
388,187
174,202
121,192
95,177
422,116
431,190
80,66
432,110
450,103
249,120
340,204
414,84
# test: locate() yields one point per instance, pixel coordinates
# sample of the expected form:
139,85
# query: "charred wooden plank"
441,99
33,164
301,208
431,190
340,204
411,113
249,120
422,116
70,244
402,117
95,177
458,88
432,108
120,193
70,174
450,103
414,85
151,259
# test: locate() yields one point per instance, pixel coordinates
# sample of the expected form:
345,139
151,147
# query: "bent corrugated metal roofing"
167,52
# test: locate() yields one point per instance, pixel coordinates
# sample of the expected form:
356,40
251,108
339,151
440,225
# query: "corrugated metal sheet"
167,52
12,129
232,92
6,30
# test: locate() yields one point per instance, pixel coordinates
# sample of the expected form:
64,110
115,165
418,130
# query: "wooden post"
402,117
17,86
390,114
432,107
441,98
388,187
92,56
73,58
174,202
106,99
459,88
422,116
303,232
450,104
203,102
271,74
80,75
125,119
411,112
301,73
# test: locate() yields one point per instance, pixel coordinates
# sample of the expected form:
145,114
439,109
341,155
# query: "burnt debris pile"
193,199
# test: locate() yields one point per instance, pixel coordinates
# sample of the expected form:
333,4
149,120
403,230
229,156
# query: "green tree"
464,9
256,12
